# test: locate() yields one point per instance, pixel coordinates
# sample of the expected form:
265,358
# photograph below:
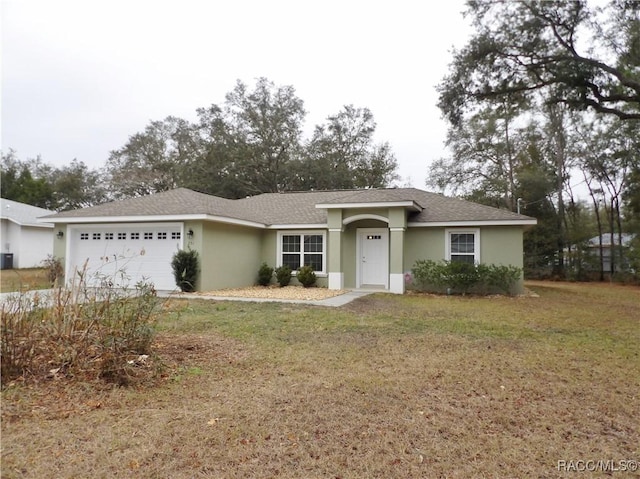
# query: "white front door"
373,257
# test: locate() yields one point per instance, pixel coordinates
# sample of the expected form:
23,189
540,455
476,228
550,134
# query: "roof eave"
411,205
156,218
299,226
38,224
469,223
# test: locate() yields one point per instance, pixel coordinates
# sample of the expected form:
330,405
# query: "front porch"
366,246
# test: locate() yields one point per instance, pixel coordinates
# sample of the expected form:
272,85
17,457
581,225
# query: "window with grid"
122,236
175,235
108,236
134,236
148,235
463,247
303,249
84,236
96,236
162,235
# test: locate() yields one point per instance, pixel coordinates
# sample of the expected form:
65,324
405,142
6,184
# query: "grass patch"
387,386
14,280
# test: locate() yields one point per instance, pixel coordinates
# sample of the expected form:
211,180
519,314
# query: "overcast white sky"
80,77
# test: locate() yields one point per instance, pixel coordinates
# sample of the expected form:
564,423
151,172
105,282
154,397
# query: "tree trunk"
609,212
599,223
559,143
512,184
619,224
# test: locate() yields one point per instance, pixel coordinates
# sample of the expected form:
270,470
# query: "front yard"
387,386
12,280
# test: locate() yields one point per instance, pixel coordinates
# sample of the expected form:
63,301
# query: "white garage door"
125,254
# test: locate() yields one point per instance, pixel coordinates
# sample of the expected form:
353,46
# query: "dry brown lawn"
12,280
388,386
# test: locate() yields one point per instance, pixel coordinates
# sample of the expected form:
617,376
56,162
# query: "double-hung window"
300,249
463,246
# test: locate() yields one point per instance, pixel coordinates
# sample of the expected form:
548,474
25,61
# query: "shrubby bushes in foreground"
462,278
103,331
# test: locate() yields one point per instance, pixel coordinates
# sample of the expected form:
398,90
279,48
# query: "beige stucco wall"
349,212
501,245
269,249
423,243
60,245
230,255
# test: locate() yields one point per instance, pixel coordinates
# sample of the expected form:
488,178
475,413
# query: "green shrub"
185,269
265,273
502,277
461,277
429,275
306,276
283,275
464,277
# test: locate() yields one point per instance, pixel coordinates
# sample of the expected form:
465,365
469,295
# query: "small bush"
428,274
185,269
55,271
464,277
265,273
461,277
306,276
283,275
502,277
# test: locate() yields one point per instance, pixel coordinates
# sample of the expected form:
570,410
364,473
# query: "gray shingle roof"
292,207
378,195
23,214
439,208
177,202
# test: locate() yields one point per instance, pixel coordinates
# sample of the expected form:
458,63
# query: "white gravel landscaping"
275,292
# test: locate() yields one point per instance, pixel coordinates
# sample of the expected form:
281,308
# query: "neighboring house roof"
627,238
292,208
23,214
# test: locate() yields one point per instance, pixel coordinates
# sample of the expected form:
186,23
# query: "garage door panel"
126,254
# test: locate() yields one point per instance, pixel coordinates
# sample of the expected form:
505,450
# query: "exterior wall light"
190,234
60,234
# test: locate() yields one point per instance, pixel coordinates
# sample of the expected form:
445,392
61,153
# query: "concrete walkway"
44,297
334,301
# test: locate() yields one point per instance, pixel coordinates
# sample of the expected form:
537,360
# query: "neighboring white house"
593,247
24,242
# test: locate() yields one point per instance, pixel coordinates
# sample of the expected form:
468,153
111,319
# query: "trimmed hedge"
461,278
283,275
306,276
265,273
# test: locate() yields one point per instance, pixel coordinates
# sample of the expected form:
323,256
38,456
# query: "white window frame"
476,241
302,233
